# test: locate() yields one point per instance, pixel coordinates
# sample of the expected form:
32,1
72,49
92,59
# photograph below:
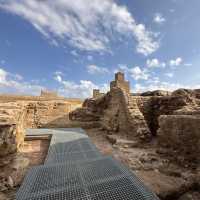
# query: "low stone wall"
49,113
182,134
12,125
17,98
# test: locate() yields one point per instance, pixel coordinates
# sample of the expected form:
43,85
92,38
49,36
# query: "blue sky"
75,46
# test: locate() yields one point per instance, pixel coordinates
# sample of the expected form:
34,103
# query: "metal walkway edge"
74,169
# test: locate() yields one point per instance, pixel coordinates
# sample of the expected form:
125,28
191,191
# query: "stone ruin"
97,93
18,113
120,82
147,115
156,133
48,94
166,121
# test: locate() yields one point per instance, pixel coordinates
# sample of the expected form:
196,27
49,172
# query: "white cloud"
169,74
176,62
83,89
158,18
85,24
74,53
12,83
161,86
155,63
3,77
188,64
58,76
137,73
93,69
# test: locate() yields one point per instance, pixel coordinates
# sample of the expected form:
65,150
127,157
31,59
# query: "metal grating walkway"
75,169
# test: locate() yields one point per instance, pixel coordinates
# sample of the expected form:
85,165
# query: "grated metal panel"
127,192
103,168
125,187
48,178
79,145
69,157
102,178
80,173
77,193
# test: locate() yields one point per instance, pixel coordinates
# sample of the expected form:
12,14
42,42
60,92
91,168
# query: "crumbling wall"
116,112
114,118
12,118
12,130
181,134
154,106
49,113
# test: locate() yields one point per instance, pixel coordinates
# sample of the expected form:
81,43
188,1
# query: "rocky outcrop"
12,118
12,128
156,93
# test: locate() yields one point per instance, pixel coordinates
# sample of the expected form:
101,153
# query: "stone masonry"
120,82
97,93
46,93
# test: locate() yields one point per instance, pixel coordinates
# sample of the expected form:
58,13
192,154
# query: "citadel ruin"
155,134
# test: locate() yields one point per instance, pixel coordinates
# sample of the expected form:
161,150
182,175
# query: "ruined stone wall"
116,112
15,117
154,106
181,135
16,98
114,118
12,132
12,118
49,113
97,93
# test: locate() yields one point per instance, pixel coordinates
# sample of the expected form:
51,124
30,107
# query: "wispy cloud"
158,18
83,89
74,53
176,62
94,69
155,63
13,83
169,74
85,24
161,85
136,72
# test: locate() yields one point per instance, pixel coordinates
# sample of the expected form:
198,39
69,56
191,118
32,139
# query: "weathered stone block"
182,133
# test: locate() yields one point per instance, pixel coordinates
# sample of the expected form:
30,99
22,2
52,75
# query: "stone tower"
120,83
96,93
